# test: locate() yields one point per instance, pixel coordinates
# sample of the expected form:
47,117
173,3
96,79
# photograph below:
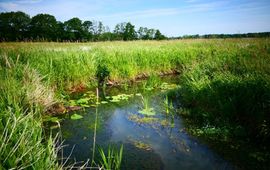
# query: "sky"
171,17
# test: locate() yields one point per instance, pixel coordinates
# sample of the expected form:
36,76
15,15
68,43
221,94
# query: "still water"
151,141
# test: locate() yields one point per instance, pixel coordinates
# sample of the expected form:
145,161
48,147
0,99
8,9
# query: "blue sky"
172,17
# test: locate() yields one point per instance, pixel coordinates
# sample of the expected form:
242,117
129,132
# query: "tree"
87,30
14,26
44,26
150,34
73,29
60,32
119,31
159,36
129,32
142,33
97,30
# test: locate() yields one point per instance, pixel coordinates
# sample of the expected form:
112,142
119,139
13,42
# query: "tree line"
19,26
211,36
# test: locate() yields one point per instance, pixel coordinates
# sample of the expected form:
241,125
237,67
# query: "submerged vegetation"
224,88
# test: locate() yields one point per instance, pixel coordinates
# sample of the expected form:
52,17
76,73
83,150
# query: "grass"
225,84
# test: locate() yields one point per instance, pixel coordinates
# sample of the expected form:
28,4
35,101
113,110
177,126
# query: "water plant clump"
146,109
142,120
113,158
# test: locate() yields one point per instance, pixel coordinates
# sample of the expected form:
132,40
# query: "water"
160,143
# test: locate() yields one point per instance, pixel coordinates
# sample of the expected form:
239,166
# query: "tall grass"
113,158
22,98
231,85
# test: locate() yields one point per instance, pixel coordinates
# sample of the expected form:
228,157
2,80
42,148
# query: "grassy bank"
227,93
225,83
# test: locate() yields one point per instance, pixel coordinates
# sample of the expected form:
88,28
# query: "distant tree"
44,26
14,26
150,34
107,35
159,36
60,32
74,29
142,33
87,30
119,31
129,32
97,29
101,28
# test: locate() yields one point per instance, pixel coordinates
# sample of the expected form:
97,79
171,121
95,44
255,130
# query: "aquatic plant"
167,105
112,160
102,73
139,119
146,109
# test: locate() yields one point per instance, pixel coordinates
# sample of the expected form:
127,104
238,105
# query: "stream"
146,122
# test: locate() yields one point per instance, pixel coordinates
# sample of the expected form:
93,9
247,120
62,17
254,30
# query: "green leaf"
76,117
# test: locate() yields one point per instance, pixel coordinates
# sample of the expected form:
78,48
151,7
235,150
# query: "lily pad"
103,102
120,97
51,119
76,117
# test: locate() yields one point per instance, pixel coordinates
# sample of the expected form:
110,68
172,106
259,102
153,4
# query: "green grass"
224,83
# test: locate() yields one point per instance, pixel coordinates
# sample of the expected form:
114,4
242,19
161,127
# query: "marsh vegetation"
222,92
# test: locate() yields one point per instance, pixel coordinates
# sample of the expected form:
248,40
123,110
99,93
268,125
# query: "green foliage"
14,26
43,27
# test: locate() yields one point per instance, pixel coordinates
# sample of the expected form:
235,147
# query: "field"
224,88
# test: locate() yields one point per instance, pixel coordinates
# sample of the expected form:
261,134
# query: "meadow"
224,89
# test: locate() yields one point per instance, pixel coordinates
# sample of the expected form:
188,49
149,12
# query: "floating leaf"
114,100
103,102
76,117
51,119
